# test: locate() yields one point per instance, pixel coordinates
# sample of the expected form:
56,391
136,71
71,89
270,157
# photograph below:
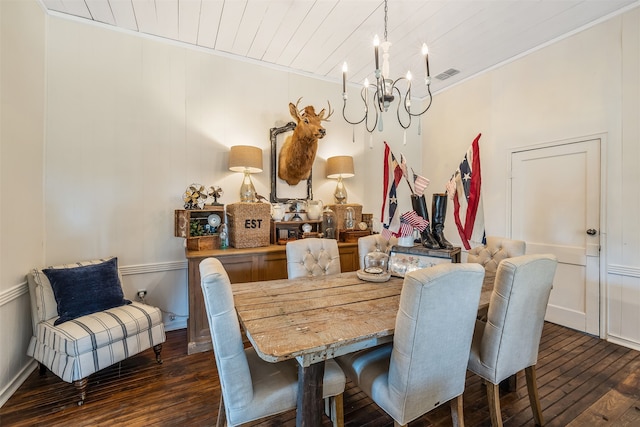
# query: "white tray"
382,277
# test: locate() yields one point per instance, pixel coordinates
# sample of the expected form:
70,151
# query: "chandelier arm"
375,123
428,105
366,109
401,102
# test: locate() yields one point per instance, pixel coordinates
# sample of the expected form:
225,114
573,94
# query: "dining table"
312,319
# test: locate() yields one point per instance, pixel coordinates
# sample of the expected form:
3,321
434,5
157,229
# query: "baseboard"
633,345
17,381
175,325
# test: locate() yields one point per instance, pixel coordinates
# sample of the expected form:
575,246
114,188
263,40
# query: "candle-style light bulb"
425,53
409,76
376,43
344,77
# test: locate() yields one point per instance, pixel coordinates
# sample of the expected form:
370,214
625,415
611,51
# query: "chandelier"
386,89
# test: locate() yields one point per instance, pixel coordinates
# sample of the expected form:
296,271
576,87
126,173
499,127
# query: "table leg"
309,405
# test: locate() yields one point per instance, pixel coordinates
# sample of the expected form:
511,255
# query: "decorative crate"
249,224
203,243
206,238
341,213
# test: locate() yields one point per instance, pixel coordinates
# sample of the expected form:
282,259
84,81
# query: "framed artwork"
403,263
281,192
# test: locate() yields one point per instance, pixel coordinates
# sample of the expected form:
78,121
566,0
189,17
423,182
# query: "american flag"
414,220
464,187
420,183
392,176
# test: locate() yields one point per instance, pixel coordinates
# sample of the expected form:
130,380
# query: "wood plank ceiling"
317,36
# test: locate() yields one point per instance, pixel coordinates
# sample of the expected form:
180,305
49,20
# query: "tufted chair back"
312,257
371,243
490,255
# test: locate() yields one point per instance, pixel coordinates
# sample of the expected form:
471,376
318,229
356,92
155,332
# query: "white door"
555,208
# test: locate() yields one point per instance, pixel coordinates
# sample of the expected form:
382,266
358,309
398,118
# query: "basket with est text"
249,224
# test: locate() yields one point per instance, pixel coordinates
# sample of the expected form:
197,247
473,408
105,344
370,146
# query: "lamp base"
247,190
340,195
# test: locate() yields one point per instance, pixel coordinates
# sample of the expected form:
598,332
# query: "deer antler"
300,112
326,119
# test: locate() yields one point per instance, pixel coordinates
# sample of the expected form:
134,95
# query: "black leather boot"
439,210
420,206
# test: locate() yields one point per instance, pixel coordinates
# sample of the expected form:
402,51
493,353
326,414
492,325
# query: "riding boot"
439,210
420,206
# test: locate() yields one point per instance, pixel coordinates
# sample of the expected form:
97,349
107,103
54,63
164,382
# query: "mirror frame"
275,181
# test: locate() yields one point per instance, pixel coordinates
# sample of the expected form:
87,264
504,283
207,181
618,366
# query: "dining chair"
495,250
312,257
251,387
425,366
367,244
509,339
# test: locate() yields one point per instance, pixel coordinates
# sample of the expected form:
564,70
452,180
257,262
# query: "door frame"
603,294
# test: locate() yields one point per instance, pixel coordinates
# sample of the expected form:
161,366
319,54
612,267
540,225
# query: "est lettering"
252,223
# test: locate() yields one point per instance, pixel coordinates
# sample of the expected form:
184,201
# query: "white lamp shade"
245,158
340,167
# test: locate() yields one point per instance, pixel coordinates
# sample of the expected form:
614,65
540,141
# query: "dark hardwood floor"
582,381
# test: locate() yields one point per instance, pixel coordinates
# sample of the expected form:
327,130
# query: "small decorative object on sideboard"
329,225
341,214
196,196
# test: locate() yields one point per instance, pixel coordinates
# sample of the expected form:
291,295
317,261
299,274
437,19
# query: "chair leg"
337,410
81,387
534,400
222,414
457,412
157,349
42,370
493,395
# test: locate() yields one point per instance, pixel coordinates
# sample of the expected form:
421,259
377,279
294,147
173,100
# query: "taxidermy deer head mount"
299,149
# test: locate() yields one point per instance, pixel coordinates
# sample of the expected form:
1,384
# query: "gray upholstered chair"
508,341
71,336
312,257
426,364
251,387
490,255
370,243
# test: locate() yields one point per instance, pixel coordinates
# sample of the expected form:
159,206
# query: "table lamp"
340,167
246,159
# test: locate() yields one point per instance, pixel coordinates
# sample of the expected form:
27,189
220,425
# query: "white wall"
22,53
130,122
133,121
583,85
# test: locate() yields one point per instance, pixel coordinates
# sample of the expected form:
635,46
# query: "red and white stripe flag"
390,215
467,200
414,220
420,183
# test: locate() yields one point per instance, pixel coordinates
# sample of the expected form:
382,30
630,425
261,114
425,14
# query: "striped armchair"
76,348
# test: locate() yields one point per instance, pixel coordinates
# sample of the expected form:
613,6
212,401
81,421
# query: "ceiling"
316,37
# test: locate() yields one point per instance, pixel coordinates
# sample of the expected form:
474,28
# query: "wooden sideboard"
242,265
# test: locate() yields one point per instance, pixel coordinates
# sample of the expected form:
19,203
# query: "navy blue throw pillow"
87,289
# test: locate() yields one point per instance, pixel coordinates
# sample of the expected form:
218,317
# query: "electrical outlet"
142,293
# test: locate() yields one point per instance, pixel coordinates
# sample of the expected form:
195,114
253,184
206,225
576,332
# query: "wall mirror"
281,192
